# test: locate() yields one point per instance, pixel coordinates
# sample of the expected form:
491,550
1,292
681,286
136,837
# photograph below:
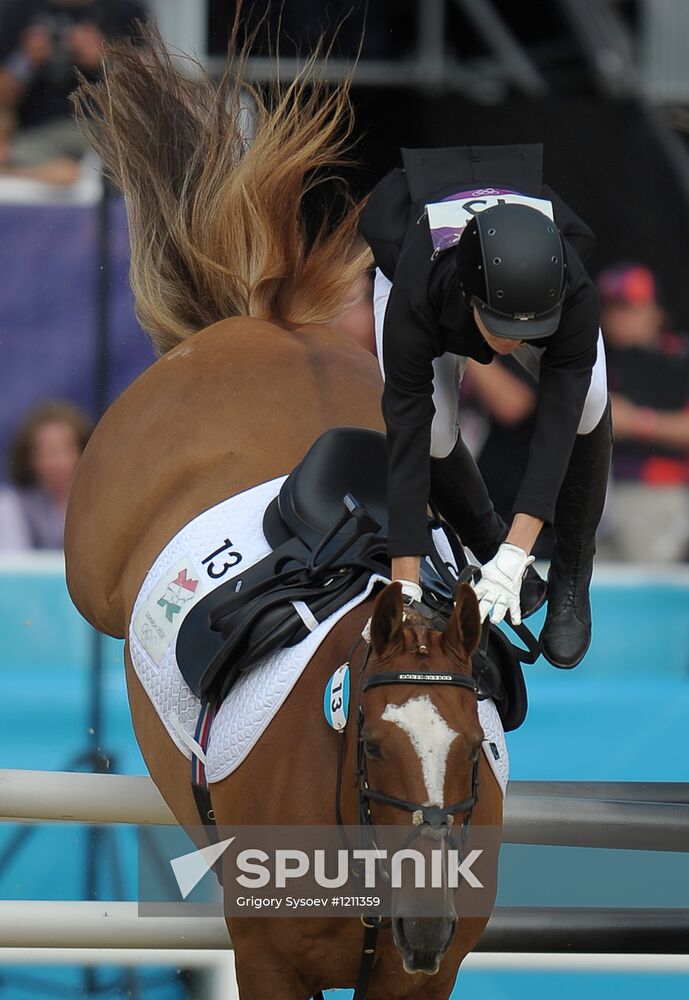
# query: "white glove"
501,582
411,590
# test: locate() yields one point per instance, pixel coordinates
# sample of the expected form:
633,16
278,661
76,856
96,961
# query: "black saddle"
326,544
343,461
327,529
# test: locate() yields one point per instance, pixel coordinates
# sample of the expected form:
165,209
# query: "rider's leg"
457,487
460,494
566,634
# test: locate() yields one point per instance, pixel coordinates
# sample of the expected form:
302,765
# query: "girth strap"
199,783
368,954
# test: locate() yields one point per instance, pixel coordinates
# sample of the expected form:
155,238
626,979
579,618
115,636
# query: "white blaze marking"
431,738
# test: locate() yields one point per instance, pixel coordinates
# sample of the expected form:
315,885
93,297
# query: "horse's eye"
372,749
474,755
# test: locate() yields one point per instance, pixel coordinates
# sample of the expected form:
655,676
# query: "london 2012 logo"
178,592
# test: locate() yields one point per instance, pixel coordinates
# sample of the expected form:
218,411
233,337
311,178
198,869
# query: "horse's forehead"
431,738
417,634
418,715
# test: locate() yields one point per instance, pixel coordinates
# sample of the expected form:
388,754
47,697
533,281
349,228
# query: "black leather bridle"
439,819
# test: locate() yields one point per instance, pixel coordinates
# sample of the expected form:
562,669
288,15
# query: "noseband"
438,819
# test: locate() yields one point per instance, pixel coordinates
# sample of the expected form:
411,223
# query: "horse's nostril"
423,942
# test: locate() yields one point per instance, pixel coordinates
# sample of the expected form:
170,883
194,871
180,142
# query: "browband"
459,680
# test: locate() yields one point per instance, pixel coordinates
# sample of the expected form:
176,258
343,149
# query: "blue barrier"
621,716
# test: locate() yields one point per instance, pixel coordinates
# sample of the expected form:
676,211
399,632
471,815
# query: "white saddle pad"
205,554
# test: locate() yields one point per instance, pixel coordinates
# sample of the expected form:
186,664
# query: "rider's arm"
409,347
565,376
524,531
406,568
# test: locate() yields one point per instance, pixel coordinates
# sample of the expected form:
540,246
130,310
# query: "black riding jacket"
427,316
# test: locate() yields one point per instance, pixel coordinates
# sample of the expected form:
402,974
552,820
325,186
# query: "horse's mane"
215,217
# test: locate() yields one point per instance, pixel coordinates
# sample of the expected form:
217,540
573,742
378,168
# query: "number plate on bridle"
336,698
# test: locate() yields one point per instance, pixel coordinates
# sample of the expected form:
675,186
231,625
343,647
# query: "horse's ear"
463,631
387,630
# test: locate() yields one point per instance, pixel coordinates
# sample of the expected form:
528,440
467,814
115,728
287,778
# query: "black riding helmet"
510,262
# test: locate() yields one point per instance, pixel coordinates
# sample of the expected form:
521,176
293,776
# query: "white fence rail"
536,815
81,798
93,933
86,924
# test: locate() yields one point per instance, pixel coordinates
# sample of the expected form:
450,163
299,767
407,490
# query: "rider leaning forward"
476,257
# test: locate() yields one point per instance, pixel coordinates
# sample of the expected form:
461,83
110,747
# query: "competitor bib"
449,218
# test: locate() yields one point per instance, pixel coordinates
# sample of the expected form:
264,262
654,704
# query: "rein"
439,819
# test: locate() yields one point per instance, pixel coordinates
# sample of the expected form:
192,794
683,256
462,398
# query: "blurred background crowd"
602,85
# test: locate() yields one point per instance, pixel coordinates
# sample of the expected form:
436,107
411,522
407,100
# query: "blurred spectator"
42,44
648,374
44,456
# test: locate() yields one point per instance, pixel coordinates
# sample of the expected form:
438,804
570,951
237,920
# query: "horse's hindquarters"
235,405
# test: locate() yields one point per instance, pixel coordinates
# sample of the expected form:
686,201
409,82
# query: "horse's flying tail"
214,181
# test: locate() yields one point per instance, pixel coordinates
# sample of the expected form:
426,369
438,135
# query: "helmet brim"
511,328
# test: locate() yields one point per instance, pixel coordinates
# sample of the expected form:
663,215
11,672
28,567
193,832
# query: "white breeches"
448,372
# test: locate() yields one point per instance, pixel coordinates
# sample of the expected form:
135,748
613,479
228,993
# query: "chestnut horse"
241,305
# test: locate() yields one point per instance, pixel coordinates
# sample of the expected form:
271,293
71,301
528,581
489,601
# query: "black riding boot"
566,634
460,494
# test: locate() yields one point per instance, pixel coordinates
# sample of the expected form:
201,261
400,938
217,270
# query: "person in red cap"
476,257
648,367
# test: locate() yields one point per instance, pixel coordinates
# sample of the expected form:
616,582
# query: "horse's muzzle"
422,941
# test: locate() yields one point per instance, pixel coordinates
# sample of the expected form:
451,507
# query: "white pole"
151,957
219,965
568,962
87,924
222,962
81,798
